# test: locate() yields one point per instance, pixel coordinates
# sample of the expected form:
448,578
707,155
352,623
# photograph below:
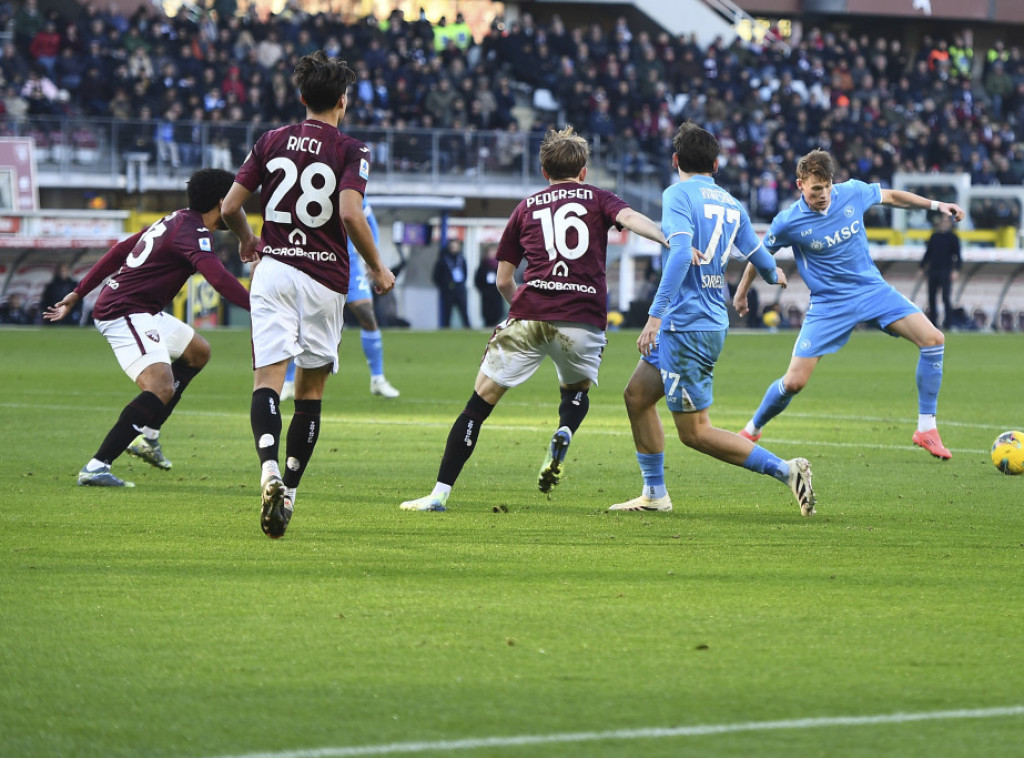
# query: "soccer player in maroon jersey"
559,311
157,351
312,179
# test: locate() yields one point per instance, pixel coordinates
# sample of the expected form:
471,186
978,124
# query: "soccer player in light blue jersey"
687,325
825,228
360,304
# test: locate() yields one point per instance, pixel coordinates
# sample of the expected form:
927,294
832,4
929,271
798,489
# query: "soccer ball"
1008,452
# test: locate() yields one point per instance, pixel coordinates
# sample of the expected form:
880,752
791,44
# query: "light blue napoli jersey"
831,248
697,213
358,286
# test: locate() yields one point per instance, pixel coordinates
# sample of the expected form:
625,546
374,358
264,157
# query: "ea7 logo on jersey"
806,232
843,234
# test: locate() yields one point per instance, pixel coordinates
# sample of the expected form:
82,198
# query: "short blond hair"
816,163
563,154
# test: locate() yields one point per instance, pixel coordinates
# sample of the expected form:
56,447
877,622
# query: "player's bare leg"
695,431
373,347
779,394
184,369
932,343
641,396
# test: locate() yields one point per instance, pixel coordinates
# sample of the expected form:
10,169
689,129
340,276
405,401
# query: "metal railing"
140,155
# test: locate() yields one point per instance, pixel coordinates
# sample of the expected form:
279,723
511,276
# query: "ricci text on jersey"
304,144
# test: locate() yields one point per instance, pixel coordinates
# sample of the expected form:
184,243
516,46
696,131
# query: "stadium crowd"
876,104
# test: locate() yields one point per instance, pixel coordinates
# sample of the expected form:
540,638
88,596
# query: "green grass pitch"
159,621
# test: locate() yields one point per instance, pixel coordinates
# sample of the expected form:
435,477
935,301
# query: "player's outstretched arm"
505,280
904,199
739,297
350,205
222,281
639,223
57,311
111,261
233,212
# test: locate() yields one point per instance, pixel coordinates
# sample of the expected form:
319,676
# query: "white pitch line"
445,746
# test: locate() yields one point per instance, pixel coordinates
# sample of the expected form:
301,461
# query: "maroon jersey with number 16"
302,169
562,231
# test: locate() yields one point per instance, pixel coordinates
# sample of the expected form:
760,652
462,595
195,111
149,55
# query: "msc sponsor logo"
843,234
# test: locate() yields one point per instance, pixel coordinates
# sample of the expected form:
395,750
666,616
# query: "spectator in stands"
14,311
492,304
58,288
941,265
449,277
167,151
15,106
28,22
45,47
999,85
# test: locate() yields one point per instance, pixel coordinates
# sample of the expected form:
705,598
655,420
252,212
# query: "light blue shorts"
686,361
828,324
358,285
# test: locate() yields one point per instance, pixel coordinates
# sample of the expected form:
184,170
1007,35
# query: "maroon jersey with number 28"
302,169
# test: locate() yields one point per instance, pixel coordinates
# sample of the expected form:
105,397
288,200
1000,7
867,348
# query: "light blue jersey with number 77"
697,213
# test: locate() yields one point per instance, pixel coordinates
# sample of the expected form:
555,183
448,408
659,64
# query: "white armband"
935,205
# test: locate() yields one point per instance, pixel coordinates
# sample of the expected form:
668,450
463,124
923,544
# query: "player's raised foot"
930,441
101,478
276,509
382,387
428,503
288,391
551,471
644,503
800,485
748,436
150,452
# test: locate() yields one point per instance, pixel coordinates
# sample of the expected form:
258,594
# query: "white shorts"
294,316
142,339
517,347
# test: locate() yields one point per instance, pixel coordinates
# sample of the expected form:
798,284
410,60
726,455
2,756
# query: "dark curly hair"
207,187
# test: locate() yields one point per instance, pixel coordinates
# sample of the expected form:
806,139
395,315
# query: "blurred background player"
157,351
941,265
312,180
449,276
561,311
687,326
360,305
825,228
